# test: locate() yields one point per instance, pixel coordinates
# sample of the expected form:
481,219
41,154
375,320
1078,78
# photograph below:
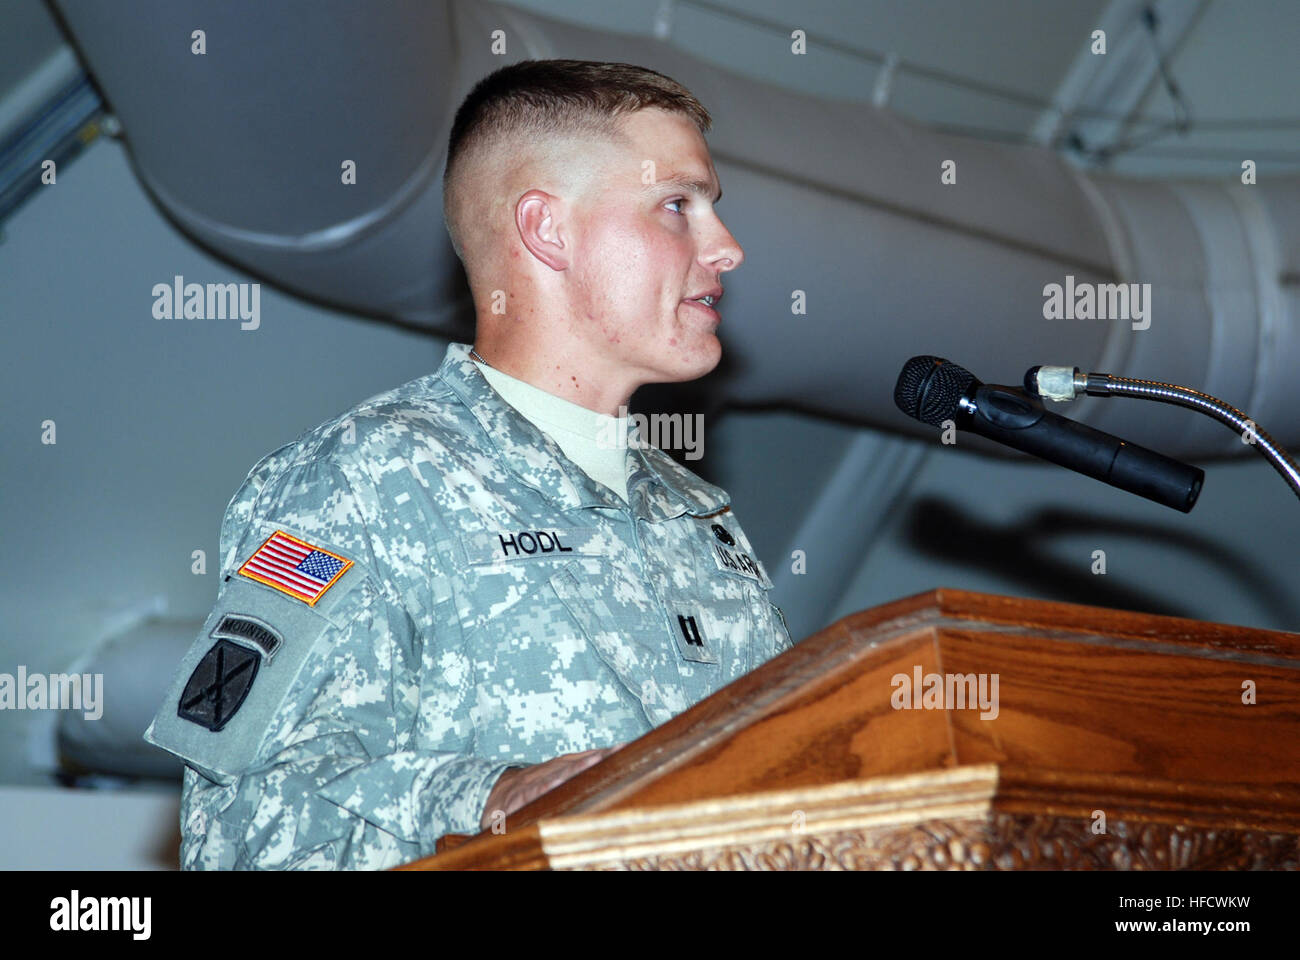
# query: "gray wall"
158,421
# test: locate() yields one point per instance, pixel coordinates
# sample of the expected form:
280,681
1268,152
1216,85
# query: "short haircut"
532,102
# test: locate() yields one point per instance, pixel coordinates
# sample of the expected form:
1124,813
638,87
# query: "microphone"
934,390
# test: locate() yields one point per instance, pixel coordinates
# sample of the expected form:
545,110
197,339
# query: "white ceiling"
1235,61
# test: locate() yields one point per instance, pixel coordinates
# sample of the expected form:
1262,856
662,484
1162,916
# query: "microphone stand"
1067,383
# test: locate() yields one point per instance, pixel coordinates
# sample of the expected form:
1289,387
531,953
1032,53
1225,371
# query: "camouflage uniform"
485,605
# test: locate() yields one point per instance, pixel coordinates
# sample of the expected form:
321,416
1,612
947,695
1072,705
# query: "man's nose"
726,252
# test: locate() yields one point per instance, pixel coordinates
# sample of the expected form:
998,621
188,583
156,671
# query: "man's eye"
681,200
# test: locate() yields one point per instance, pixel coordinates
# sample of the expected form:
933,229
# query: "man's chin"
684,372
704,359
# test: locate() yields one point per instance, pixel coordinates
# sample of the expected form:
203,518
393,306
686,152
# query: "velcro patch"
295,567
218,685
556,543
692,641
741,564
183,727
239,626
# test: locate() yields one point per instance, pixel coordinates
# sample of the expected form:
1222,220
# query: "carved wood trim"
1000,842
975,818
978,817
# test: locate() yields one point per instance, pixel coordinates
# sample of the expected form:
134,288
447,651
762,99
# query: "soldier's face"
650,243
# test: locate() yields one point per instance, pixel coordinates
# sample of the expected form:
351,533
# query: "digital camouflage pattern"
500,608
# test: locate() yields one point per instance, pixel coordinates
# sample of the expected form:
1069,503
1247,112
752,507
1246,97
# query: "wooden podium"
1117,741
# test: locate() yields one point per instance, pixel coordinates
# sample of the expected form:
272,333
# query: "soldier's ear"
542,222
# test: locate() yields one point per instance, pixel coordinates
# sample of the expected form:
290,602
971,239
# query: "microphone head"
929,387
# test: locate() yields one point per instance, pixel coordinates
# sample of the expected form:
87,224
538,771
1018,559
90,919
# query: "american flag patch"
295,567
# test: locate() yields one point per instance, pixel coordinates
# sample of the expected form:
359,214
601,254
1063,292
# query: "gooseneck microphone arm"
1066,383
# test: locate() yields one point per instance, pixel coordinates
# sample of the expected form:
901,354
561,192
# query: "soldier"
456,595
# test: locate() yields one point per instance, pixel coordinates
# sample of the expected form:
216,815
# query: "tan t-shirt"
577,430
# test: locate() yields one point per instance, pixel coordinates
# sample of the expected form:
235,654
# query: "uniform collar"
658,488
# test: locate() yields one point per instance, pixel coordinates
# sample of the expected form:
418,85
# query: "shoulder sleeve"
253,646
297,704
296,571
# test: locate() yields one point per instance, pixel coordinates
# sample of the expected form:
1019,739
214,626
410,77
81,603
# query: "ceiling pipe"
840,204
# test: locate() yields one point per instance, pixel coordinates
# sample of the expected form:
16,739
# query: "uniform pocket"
612,628
714,636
